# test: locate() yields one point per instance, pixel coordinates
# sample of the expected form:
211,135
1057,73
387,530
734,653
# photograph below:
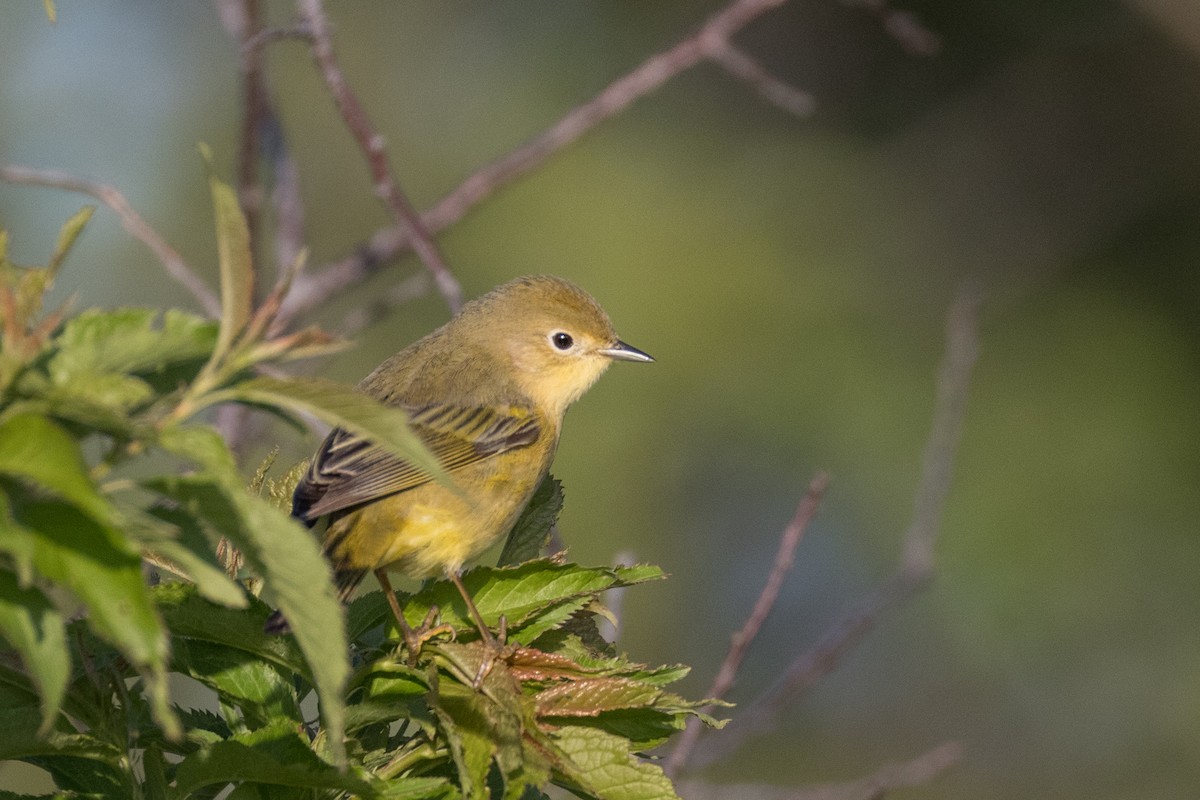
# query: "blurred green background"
791,277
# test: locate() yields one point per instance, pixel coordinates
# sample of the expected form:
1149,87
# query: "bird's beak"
624,352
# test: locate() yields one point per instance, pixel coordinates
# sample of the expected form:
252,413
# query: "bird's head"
557,339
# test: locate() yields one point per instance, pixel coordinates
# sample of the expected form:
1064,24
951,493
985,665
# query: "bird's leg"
413,639
490,642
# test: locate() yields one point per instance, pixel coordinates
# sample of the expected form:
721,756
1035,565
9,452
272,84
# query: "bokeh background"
791,275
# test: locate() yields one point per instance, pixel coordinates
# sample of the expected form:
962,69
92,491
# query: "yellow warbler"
486,393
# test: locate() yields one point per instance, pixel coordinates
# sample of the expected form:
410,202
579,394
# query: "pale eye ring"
562,340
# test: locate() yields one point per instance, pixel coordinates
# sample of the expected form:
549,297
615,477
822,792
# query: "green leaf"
188,615
529,536
548,619
589,697
480,726
418,789
178,537
387,691
36,630
67,235
234,259
259,688
154,768
514,592
129,341
281,550
78,762
603,765
35,449
275,755
339,406
91,560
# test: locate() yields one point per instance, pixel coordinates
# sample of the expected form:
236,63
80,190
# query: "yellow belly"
432,529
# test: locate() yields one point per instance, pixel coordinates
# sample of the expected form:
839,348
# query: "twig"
243,21
365,315
903,26
917,772
286,198
648,76
133,222
372,144
917,561
741,640
774,90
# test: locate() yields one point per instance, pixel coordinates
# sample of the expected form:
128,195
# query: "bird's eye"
562,340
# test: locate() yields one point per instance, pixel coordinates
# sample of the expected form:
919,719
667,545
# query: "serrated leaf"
86,557
259,688
419,789
644,728
188,615
35,629
513,592
35,449
530,664
529,536
78,762
274,755
233,258
282,551
547,619
202,727
602,764
569,656
588,697
129,341
480,726
91,394
339,406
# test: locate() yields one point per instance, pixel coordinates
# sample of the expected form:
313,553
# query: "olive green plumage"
486,393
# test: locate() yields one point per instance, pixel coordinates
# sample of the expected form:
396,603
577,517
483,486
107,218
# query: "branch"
397,294
742,639
372,145
917,561
385,245
903,26
242,20
133,222
772,89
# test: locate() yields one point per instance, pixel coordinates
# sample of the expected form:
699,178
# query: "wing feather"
348,470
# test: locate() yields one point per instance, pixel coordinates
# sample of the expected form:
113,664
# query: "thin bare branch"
917,561
772,89
903,26
286,198
918,772
643,79
397,294
133,222
372,144
741,640
243,21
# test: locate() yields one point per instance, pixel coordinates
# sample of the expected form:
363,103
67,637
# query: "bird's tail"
346,581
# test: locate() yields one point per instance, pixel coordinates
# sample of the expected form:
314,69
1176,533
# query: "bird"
486,393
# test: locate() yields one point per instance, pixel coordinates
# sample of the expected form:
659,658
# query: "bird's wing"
349,470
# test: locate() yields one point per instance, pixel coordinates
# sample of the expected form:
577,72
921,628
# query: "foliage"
110,475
